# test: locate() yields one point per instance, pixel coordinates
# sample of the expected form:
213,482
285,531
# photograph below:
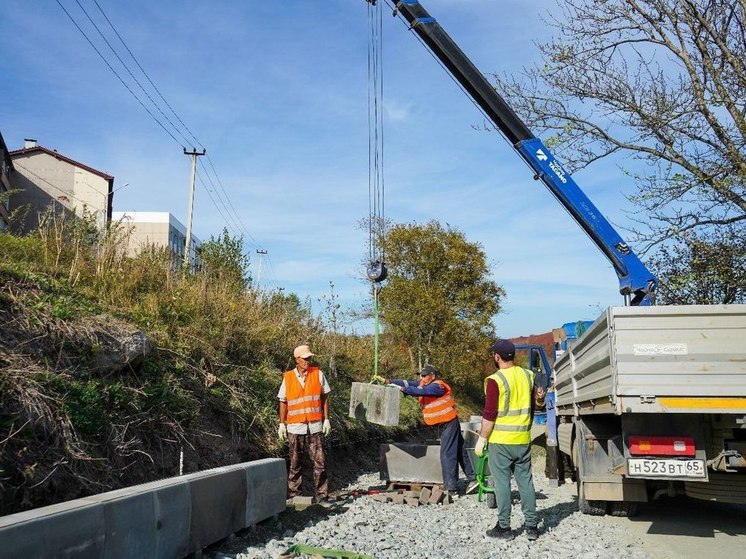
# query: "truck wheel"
592,508
622,508
491,500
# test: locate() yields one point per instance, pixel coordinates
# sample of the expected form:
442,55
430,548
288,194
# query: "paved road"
678,528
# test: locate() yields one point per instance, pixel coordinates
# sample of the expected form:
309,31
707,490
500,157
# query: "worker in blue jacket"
439,411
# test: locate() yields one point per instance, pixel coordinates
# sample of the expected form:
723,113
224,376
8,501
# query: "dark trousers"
453,454
313,445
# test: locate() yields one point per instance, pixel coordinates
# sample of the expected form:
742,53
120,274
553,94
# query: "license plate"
665,467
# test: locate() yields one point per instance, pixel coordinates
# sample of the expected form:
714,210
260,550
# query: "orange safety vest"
304,401
440,409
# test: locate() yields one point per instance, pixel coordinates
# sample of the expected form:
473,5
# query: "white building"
160,229
45,177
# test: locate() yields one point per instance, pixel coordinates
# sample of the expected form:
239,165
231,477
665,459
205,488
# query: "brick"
397,499
425,495
436,495
412,501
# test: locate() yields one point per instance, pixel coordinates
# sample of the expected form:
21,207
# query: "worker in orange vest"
439,411
304,418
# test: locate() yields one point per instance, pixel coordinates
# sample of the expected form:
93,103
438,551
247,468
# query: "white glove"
282,432
327,427
479,449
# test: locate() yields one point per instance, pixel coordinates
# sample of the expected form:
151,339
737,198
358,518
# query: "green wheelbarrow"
482,473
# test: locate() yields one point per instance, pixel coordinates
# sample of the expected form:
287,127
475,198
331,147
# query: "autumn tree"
439,300
661,81
705,268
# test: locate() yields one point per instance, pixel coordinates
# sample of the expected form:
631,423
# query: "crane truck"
650,400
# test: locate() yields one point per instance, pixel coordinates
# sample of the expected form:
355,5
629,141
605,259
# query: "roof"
42,149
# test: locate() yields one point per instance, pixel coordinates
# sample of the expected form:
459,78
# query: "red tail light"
661,446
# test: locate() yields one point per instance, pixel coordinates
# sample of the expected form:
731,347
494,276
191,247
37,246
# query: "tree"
663,81
703,269
223,259
439,301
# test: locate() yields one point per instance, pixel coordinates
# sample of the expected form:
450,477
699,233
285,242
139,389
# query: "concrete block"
218,507
74,529
302,500
425,495
172,509
266,488
381,497
398,499
436,495
375,403
470,441
412,501
410,462
129,525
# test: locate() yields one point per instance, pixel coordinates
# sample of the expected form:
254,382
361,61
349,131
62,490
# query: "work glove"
479,448
327,427
282,432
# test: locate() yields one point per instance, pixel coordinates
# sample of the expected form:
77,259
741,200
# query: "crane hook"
377,270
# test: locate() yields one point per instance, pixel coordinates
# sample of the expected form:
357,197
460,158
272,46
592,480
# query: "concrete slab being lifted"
375,403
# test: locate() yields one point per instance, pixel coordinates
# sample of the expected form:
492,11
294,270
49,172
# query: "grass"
208,390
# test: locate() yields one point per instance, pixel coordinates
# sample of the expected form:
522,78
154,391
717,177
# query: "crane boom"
636,283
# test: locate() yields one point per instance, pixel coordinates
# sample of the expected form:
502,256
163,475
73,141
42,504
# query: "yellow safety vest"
513,423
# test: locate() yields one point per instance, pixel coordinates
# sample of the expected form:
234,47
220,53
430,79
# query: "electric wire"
146,75
229,215
113,50
75,23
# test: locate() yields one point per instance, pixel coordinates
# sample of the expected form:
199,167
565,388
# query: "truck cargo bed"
677,359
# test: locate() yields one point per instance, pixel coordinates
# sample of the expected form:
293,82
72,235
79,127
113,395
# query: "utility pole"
190,212
261,254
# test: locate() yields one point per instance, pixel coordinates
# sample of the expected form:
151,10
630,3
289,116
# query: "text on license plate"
665,467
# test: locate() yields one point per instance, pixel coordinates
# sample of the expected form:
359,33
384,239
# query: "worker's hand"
282,432
327,427
479,448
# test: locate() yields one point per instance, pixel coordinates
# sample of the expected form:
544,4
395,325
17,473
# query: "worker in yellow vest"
509,401
304,418
439,411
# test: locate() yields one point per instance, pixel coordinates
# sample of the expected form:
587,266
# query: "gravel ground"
453,531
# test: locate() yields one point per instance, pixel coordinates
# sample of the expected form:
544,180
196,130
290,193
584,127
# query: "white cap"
302,351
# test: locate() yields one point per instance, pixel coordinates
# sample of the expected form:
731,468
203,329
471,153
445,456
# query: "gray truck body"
678,359
675,372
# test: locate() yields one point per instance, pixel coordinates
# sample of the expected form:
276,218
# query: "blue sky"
277,93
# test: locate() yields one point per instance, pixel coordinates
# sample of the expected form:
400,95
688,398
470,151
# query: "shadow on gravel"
683,516
554,515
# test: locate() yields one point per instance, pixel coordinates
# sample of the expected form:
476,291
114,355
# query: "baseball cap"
302,351
504,348
428,370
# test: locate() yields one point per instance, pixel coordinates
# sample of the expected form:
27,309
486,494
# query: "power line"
146,75
96,27
75,23
228,214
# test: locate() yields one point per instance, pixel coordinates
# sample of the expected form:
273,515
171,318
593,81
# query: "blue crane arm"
636,283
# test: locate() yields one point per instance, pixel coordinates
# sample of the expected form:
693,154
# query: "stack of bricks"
424,496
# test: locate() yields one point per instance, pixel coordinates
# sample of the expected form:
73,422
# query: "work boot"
532,533
500,532
471,487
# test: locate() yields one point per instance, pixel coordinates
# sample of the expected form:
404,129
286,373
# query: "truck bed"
677,359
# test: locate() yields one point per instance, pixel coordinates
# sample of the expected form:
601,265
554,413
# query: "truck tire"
722,488
592,508
622,508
